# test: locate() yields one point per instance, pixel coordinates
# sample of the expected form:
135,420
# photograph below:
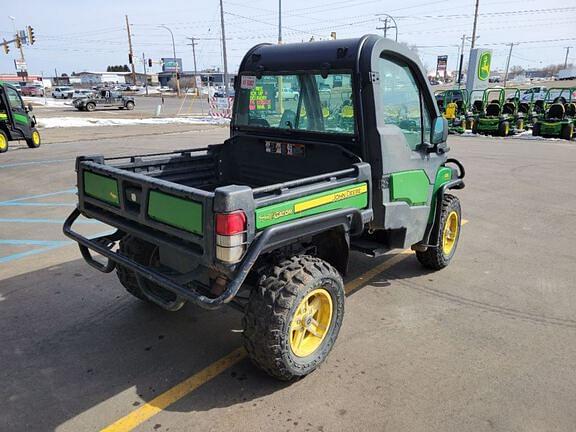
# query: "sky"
74,36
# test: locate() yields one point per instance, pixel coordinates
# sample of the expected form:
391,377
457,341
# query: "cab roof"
341,54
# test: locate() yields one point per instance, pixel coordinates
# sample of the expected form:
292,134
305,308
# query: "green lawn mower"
560,116
493,119
454,107
511,107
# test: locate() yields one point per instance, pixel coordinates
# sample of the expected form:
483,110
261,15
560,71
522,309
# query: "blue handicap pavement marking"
47,221
23,200
41,162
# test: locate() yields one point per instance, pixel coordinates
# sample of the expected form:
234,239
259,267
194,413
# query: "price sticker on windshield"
248,82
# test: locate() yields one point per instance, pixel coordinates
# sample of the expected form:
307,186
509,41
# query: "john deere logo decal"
484,66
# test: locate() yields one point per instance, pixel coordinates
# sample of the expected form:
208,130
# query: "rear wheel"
520,125
567,131
147,254
3,142
536,129
293,317
129,105
34,141
504,129
447,234
90,106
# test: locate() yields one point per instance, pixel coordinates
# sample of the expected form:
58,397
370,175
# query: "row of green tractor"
507,111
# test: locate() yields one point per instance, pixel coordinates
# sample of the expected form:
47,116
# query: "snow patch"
56,122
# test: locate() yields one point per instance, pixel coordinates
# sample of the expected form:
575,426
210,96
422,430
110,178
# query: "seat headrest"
492,109
556,111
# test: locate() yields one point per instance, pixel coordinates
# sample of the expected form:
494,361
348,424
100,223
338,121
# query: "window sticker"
248,82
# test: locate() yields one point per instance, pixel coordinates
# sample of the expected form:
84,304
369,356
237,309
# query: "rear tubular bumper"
351,219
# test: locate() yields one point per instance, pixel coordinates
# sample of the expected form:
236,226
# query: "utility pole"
193,45
461,61
279,22
385,28
474,25
131,56
145,73
566,58
508,63
224,49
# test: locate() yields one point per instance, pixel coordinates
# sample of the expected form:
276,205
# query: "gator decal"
355,196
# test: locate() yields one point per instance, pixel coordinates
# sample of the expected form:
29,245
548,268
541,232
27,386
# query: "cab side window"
13,98
403,102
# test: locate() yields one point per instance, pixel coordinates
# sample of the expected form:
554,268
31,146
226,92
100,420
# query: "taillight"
230,236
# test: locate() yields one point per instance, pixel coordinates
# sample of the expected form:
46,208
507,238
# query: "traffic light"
6,47
18,42
130,58
149,63
31,37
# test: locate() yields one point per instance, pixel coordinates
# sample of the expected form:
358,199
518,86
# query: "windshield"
306,102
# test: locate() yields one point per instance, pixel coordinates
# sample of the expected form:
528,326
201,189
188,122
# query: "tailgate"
154,209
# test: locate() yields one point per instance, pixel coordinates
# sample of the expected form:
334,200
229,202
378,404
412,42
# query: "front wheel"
3,142
294,316
129,105
504,129
536,129
567,131
34,141
447,234
90,106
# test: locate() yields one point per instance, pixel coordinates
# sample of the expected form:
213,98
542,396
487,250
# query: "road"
488,344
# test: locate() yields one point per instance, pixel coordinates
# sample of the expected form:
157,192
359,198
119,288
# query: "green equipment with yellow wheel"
266,221
559,120
16,121
495,116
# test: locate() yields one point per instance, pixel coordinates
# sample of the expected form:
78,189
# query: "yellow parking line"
150,409
159,403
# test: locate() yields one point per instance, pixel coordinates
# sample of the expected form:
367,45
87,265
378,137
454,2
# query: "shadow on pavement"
72,339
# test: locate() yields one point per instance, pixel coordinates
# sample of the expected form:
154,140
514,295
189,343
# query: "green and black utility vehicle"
494,118
16,122
265,222
560,115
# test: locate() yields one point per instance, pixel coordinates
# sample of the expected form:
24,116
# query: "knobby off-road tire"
275,310
143,253
446,235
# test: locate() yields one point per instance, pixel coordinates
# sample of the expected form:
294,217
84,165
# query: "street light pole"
474,25
175,60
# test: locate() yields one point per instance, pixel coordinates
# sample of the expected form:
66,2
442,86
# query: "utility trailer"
265,221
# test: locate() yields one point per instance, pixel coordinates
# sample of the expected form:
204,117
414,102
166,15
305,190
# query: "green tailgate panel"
101,187
353,196
409,186
175,211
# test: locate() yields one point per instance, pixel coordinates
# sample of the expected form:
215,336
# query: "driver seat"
555,112
493,110
477,106
508,108
570,109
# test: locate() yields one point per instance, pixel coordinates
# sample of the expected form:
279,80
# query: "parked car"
63,92
17,87
33,90
289,93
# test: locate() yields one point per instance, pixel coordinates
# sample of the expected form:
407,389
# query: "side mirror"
439,131
30,108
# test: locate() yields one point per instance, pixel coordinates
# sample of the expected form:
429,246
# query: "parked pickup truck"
265,221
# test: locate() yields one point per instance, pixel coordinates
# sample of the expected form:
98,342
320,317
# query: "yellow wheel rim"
3,142
35,137
450,233
310,323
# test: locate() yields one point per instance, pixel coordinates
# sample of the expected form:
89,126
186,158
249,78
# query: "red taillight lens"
230,223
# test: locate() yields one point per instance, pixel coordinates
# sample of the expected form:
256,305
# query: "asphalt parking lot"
487,344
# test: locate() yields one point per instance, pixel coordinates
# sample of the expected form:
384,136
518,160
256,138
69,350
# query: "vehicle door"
21,120
405,114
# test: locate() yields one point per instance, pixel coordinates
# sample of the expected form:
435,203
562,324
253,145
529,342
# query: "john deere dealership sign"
484,66
478,69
